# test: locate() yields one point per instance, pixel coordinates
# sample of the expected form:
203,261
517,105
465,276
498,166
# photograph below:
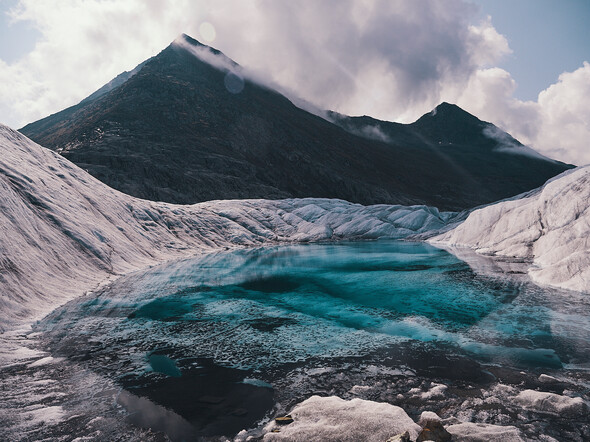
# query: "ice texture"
63,232
549,227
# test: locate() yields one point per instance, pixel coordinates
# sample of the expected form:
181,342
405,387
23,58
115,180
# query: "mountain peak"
189,127
203,52
185,38
450,110
447,114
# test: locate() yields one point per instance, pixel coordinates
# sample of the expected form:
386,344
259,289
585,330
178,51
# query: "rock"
551,403
546,379
434,430
404,437
335,419
284,420
427,416
478,432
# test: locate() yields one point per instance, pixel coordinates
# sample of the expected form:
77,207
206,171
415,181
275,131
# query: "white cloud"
565,112
557,124
391,59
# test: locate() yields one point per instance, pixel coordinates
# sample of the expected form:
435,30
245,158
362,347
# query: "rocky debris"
546,379
432,428
404,437
284,420
427,416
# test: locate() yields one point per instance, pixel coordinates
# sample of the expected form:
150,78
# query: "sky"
523,65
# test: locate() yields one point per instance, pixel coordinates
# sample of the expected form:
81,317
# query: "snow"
44,361
334,419
46,415
551,403
477,432
549,228
62,232
436,391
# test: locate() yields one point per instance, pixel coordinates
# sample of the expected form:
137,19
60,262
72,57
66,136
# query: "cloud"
557,125
508,144
391,59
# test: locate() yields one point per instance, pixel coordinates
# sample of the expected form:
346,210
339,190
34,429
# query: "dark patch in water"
272,284
163,364
163,309
269,324
211,400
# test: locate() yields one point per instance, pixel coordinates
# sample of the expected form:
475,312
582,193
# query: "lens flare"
234,82
207,31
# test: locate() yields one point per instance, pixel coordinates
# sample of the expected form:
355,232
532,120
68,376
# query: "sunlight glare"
207,31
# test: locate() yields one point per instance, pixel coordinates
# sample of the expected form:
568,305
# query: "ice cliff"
549,227
63,232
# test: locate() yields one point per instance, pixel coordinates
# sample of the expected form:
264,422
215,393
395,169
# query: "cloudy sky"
521,64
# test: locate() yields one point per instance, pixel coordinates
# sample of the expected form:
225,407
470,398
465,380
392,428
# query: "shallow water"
250,319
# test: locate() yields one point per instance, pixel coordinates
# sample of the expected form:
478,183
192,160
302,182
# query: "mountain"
548,228
63,231
190,125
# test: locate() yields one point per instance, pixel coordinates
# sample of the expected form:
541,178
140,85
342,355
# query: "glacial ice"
64,232
550,228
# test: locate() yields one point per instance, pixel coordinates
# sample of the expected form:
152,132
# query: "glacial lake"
211,344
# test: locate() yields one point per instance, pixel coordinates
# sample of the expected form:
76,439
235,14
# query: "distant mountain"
188,126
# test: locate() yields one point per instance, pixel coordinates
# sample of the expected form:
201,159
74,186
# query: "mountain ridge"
175,132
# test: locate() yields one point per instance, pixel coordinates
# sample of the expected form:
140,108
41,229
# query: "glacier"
64,232
549,228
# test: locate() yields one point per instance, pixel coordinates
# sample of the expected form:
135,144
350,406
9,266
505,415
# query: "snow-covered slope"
63,232
550,228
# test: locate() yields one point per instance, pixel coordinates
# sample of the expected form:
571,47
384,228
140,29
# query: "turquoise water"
262,307
214,344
